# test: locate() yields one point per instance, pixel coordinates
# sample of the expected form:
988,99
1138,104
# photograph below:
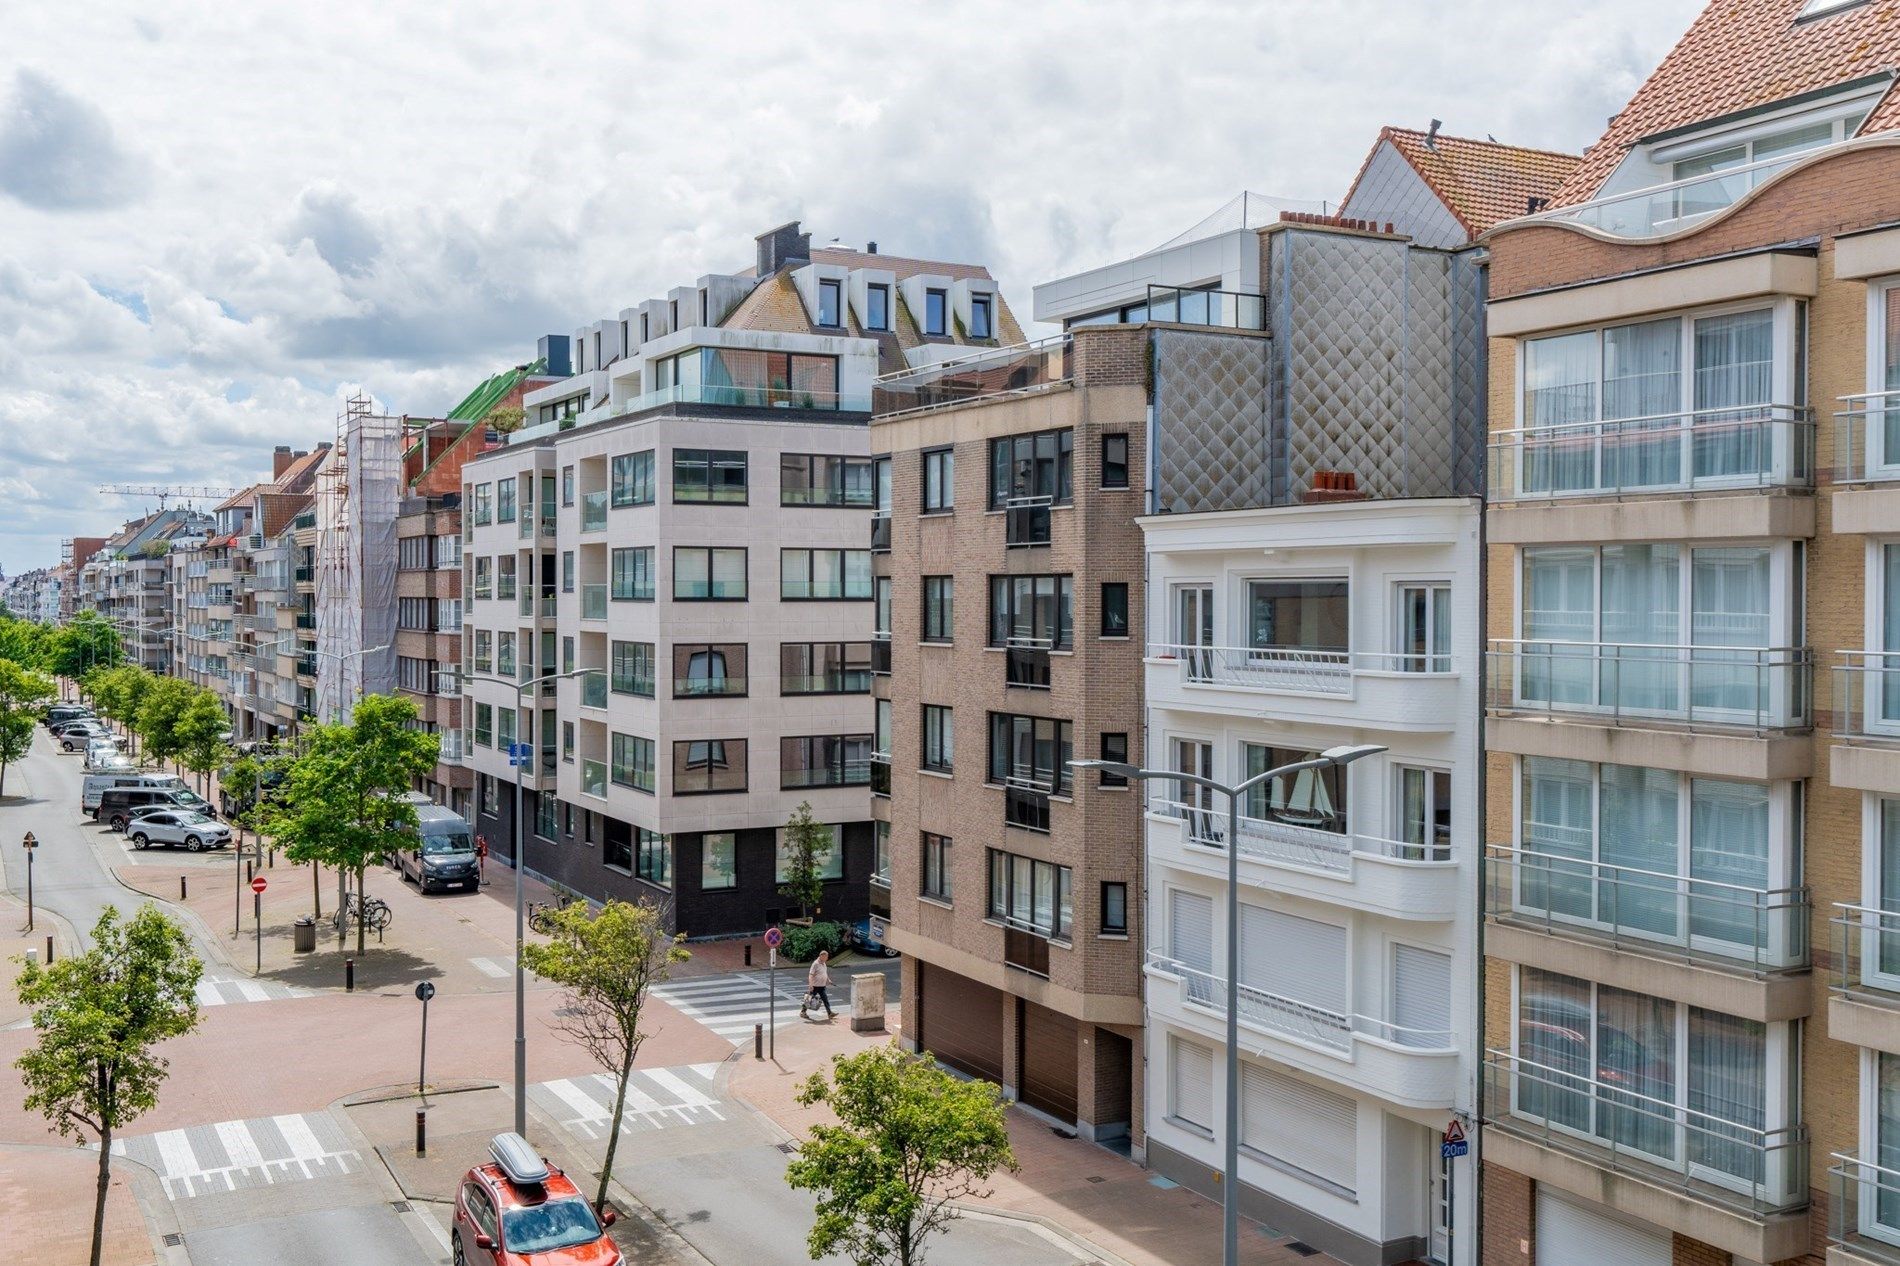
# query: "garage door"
961,1022
1049,1062
1574,1232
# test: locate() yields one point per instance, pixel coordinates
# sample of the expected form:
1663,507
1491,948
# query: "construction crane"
164,492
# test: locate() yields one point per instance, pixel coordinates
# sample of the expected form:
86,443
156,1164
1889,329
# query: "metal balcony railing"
1867,438
1863,1211
1869,953
1027,521
707,687
1867,695
1754,446
1290,843
1279,669
1026,663
1282,1016
1023,367
881,531
1026,803
1668,208
1741,687
1736,1161
593,602
1648,911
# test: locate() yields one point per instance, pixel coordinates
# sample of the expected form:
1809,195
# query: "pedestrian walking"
817,980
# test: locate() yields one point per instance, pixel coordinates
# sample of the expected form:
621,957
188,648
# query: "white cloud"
58,151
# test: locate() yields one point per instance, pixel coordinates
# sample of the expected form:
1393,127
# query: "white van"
97,785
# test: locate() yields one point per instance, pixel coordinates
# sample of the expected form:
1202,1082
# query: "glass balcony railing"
526,606
1867,438
548,522
1863,1210
594,690
593,602
1758,446
707,687
1026,666
1659,210
1027,521
881,531
594,779
527,523
1224,309
748,396
1649,911
1023,367
594,511
1747,687
1869,953
1867,695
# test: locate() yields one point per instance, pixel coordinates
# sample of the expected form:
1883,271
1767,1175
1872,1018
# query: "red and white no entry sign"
258,885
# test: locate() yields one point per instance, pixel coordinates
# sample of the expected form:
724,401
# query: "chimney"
552,349
870,248
1431,137
779,246
280,460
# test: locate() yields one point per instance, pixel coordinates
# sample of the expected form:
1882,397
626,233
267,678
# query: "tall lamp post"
1328,759
520,762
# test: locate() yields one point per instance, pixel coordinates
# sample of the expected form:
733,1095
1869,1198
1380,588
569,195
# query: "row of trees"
168,718
31,657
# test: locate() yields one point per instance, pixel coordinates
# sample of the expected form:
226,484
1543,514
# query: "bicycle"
541,916
373,912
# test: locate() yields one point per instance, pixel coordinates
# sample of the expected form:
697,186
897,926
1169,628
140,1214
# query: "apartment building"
128,582
34,595
1692,1035
685,525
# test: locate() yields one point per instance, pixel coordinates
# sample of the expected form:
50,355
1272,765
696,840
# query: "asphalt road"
365,1234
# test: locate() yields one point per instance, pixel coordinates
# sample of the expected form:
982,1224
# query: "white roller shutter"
1421,996
1301,1125
1575,1232
1301,959
1191,929
1192,1093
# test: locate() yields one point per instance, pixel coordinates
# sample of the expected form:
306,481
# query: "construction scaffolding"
359,491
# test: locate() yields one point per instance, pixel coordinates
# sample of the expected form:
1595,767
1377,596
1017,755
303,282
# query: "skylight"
1821,8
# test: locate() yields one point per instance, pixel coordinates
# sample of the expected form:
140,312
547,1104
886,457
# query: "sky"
217,222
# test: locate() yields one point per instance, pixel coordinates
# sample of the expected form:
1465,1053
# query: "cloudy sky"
218,221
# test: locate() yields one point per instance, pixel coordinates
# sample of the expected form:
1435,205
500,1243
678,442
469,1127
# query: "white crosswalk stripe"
657,1099
235,1155
499,968
218,991
730,1005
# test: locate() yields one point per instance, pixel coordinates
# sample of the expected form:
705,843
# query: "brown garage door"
961,1022
1049,1061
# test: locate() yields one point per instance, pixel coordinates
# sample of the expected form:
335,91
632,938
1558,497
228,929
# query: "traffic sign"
1454,1143
774,938
258,885
425,991
519,753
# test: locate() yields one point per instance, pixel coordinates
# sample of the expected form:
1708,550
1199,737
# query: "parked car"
867,937
74,738
519,1209
67,723
116,806
97,784
195,831
108,745
61,713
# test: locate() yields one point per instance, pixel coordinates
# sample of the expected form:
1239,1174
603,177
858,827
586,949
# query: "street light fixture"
1332,757
521,987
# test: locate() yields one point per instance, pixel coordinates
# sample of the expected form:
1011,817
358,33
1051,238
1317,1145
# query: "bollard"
748,953
349,975
49,951
422,1131
181,888
758,1041
250,871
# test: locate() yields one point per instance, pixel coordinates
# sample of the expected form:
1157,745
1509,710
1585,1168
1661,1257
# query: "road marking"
233,1155
217,991
498,968
728,1005
585,1104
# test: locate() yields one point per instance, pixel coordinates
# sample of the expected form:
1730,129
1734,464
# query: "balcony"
1413,1067
1025,950
525,608
549,603
304,575
707,687
1219,309
881,774
1649,912
594,779
1757,446
844,773
594,690
1025,367
881,654
1417,693
548,522
593,602
1864,1210
306,620
1865,1006
594,511
1026,663
1669,208
1026,804
526,523
1026,521
1725,687
1867,438
1751,1170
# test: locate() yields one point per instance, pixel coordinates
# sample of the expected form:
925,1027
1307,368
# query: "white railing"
1288,843
1289,1017
1751,446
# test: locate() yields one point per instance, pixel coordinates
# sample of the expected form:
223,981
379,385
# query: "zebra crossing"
657,1099
730,1005
235,1155
495,968
218,991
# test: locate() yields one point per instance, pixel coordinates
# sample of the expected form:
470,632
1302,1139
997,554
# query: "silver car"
179,826
75,737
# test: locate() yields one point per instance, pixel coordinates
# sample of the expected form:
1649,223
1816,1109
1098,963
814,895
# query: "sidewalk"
1083,1189
46,1198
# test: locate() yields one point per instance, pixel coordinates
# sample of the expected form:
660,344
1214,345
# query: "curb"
155,1208
389,1094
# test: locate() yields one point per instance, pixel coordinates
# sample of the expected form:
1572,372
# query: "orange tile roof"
1480,182
1739,54
240,498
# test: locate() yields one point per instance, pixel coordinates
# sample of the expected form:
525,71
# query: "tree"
119,692
200,729
342,802
164,703
909,1142
606,962
23,693
98,1016
25,643
82,644
805,839
505,418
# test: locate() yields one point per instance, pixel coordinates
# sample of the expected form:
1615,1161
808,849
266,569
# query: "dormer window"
982,322
830,304
877,307
936,310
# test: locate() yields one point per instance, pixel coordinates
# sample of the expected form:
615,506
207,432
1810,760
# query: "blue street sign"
519,753
1449,1151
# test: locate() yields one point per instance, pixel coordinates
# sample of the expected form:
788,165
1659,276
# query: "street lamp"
1328,759
521,987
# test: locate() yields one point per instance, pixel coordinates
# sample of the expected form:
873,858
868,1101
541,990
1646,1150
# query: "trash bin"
304,932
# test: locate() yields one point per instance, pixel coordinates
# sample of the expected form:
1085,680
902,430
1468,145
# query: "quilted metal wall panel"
1470,389
1210,400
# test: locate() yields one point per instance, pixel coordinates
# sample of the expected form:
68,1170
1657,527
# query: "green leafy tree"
201,730
606,962
99,1015
159,712
910,1141
806,839
24,694
86,642
25,643
118,693
505,418
341,802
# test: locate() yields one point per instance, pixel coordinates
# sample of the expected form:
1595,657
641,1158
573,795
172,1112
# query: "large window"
709,475
708,766
823,574
825,668
1032,752
633,761
940,480
653,857
632,480
939,609
1299,615
742,376
1032,895
505,501
484,577
816,479
482,509
1115,459
1424,632
701,670
830,303
877,306
1314,798
1035,611
1037,465
939,739
633,574
718,861
828,856
485,724
826,760
702,574
936,868
632,669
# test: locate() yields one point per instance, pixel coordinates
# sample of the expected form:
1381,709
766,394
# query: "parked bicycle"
373,912
541,916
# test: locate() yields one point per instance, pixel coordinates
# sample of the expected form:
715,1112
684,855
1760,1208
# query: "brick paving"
46,1203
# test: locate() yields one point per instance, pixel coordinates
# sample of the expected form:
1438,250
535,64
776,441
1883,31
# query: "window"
708,766
817,479
484,651
567,654
881,725
703,574
936,868
484,577
632,574
828,856
448,615
1425,628
826,760
485,724
939,739
505,501
939,612
567,741
632,480
567,571
505,718
632,670
741,376
652,857
1115,460
416,675
448,551
701,670
1114,909
1033,752
1115,609
484,507
877,306
940,478
1424,813
547,822
412,553
830,303
1032,895
1312,798
709,475
881,853
825,668
718,861
1298,615
1032,466
982,316
633,761
1032,611
567,485
936,312
1115,748
1821,8
491,795
505,577
618,853
881,612
824,574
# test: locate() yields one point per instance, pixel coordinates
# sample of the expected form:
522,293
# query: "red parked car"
518,1210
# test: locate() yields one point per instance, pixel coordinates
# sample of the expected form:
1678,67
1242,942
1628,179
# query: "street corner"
46,1201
